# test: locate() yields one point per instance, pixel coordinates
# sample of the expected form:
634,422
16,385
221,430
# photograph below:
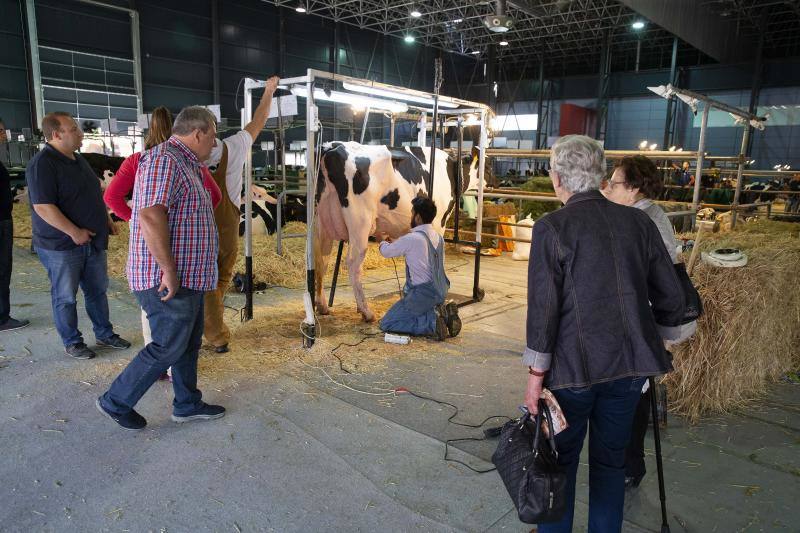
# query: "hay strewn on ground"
750,333
288,270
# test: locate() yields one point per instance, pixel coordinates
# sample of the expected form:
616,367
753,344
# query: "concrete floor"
297,452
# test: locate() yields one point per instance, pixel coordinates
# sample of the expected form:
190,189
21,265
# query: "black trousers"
6,240
634,453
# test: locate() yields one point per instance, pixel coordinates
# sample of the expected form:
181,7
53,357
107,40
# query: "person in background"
421,310
121,187
793,202
635,182
227,160
70,234
172,261
601,288
7,323
683,175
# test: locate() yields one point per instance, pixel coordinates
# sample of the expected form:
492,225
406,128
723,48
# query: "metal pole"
459,176
364,126
335,279
36,71
659,462
311,180
701,154
739,172
638,53
540,107
247,113
391,130
215,48
484,141
670,103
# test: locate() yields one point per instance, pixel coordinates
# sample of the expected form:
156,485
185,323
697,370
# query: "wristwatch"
536,373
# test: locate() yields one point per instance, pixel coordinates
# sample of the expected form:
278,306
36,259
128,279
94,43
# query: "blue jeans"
609,409
85,267
177,329
414,313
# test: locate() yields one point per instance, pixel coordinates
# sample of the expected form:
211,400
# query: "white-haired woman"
602,293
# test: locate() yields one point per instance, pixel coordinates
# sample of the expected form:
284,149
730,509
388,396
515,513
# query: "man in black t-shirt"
6,245
70,233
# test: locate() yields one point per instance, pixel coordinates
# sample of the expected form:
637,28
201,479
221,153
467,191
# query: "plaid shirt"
169,175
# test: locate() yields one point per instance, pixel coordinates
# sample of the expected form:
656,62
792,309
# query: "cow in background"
265,215
365,190
104,166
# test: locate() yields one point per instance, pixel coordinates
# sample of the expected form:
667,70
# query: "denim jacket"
602,294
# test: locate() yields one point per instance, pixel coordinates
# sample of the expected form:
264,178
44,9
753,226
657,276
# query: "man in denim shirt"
602,298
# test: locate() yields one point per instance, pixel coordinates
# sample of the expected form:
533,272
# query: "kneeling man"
421,310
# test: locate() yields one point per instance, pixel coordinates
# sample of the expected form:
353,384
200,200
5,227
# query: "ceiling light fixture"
499,22
301,8
643,145
409,39
653,146
475,52
503,43
638,25
416,13
386,93
352,99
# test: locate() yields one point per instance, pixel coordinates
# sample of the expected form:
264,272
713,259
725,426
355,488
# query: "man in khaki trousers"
227,163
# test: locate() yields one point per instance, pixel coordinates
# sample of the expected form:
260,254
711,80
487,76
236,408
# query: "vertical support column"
215,49
758,71
540,108
459,175
701,156
36,71
739,172
491,76
602,92
282,42
671,101
364,125
423,130
335,70
391,130
136,48
246,115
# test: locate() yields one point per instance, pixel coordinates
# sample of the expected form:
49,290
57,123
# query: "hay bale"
749,335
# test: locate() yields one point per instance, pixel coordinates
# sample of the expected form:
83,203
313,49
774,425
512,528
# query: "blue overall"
415,312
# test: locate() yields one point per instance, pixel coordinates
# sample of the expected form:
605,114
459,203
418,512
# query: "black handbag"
694,305
527,462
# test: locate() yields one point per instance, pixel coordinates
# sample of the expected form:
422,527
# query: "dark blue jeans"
177,328
608,408
82,267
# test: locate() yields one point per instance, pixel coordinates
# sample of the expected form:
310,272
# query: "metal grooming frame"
308,81
749,120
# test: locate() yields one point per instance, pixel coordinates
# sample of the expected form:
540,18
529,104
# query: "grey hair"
579,161
193,118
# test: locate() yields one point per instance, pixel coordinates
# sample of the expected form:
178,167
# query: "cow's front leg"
356,251
322,253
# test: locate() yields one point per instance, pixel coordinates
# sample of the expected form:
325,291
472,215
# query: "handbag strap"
544,413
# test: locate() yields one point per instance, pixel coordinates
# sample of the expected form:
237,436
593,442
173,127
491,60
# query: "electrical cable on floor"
450,420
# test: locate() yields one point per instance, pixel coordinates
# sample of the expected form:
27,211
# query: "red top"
122,186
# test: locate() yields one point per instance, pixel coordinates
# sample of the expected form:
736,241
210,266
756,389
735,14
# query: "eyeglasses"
610,184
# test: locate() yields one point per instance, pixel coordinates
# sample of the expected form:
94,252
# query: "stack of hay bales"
749,335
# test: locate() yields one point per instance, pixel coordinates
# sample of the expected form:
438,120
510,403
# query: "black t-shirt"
6,198
73,187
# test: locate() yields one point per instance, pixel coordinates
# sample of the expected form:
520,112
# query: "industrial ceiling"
570,34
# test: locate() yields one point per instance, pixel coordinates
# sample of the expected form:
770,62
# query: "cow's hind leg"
356,251
322,252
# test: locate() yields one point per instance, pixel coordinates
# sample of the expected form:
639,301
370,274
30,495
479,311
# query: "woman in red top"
121,186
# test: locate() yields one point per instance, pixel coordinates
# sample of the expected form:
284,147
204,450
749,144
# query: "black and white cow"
365,190
104,166
265,215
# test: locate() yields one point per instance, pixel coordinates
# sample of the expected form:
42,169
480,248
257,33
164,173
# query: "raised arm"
261,114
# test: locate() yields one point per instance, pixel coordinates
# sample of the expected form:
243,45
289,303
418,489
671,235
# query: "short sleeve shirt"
73,187
238,147
170,175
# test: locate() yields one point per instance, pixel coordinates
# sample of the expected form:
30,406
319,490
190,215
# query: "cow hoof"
323,310
369,316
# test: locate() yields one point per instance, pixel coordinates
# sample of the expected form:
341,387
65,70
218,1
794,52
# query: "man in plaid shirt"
171,264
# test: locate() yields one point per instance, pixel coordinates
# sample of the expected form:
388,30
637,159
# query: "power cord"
488,432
